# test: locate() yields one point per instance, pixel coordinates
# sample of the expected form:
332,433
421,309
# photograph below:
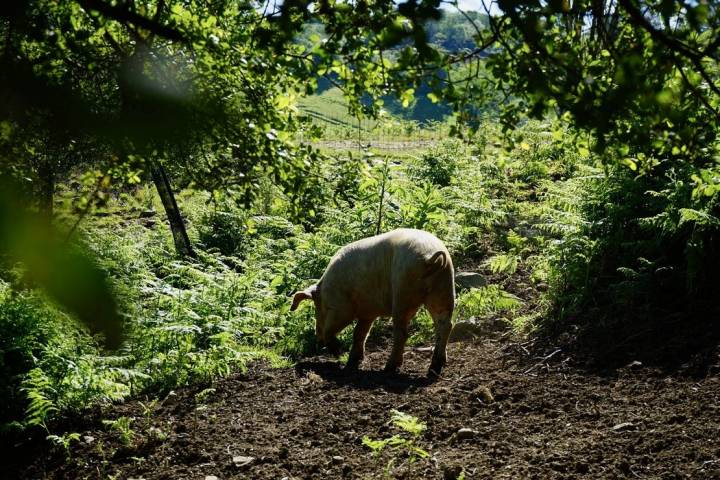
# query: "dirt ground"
529,415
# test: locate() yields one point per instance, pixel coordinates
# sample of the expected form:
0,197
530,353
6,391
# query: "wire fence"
348,133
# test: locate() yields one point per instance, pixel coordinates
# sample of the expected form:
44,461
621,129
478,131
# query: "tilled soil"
528,416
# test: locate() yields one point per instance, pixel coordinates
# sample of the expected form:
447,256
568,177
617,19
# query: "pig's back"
367,271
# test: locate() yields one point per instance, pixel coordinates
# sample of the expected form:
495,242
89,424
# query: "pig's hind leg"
357,352
401,324
442,319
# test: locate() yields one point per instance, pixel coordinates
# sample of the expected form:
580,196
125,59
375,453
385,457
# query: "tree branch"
670,42
124,15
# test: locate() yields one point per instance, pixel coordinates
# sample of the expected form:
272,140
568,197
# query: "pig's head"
313,293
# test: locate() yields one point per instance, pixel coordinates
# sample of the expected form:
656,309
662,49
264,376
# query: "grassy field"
329,110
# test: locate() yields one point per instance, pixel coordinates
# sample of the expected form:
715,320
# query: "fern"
484,301
122,425
38,388
699,218
503,263
408,423
64,441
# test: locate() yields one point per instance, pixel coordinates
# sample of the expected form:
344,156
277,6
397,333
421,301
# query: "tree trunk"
177,225
46,190
385,172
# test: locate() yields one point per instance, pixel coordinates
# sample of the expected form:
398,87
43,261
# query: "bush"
636,260
439,164
224,227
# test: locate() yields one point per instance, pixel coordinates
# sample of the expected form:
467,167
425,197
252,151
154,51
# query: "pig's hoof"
351,367
391,369
434,371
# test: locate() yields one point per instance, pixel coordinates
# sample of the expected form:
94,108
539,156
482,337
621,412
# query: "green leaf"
66,274
374,445
407,97
408,423
630,163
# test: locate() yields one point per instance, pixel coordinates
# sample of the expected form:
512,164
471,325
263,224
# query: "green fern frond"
38,388
699,218
503,263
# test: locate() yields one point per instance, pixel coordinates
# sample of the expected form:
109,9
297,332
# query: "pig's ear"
300,296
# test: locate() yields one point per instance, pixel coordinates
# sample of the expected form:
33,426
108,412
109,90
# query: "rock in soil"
620,427
465,434
483,394
242,461
465,280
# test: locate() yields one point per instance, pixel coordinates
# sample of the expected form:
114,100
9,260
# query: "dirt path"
547,420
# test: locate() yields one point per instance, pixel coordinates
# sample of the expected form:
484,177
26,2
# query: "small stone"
211,477
466,331
620,427
242,461
465,434
427,349
311,378
314,377
337,459
635,365
469,280
88,439
484,394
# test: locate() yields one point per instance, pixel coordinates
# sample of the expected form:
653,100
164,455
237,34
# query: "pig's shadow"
332,371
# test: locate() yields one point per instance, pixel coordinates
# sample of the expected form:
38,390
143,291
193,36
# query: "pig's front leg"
336,319
357,352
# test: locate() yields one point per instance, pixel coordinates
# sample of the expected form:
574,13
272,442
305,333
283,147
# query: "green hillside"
329,108
452,33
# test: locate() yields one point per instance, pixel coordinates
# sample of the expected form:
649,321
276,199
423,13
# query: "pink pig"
390,274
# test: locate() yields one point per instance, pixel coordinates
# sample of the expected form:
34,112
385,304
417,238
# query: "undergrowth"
552,232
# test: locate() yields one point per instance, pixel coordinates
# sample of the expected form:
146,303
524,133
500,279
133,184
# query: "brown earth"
530,416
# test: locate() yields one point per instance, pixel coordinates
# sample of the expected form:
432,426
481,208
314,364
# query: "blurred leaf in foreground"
67,275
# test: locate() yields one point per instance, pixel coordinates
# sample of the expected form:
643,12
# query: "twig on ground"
542,362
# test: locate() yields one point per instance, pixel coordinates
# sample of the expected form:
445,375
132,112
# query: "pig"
392,274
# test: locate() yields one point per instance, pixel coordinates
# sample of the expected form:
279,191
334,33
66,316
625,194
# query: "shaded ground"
540,419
